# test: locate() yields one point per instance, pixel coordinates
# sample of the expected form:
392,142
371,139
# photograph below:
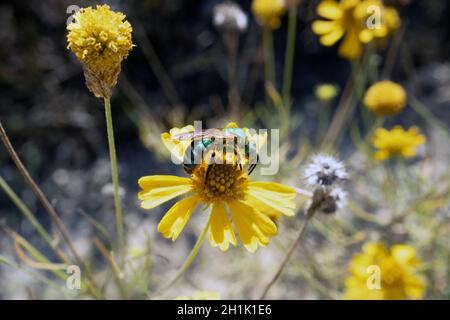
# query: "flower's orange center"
392,274
219,182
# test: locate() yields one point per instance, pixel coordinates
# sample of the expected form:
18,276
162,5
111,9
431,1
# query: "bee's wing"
183,136
218,134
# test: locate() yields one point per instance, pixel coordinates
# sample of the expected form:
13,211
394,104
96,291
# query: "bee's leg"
236,158
208,170
253,166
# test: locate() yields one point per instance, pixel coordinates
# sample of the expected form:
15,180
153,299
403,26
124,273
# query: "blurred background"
177,73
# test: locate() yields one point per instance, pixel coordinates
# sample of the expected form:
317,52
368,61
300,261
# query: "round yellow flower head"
268,12
101,39
397,142
381,274
385,98
326,92
349,20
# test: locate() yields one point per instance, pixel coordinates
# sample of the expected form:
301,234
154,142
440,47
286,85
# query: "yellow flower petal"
253,227
373,249
232,125
366,35
177,148
175,219
268,197
332,37
267,206
321,27
329,9
415,287
162,181
220,231
403,253
159,189
381,32
281,189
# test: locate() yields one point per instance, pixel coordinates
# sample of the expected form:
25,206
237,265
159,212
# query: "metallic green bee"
208,142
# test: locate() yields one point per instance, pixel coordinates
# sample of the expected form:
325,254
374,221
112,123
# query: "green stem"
231,40
428,116
283,264
269,60
324,121
289,56
32,219
188,261
47,205
25,211
115,178
357,94
377,123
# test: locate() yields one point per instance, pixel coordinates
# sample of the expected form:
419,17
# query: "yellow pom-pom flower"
101,39
381,274
326,92
269,12
385,98
397,142
228,194
348,20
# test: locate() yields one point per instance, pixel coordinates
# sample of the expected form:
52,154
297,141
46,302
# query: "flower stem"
115,178
47,205
324,120
269,61
288,255
351,95
428,116
187,263
289,56
231,40
32,219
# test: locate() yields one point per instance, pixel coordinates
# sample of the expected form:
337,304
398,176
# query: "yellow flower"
392,19
396,278
348,19
326,92
385,98
268,12
201,295
228,194
397,142
101,39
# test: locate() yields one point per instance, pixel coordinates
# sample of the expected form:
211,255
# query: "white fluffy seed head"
324,170
340,197
229,16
